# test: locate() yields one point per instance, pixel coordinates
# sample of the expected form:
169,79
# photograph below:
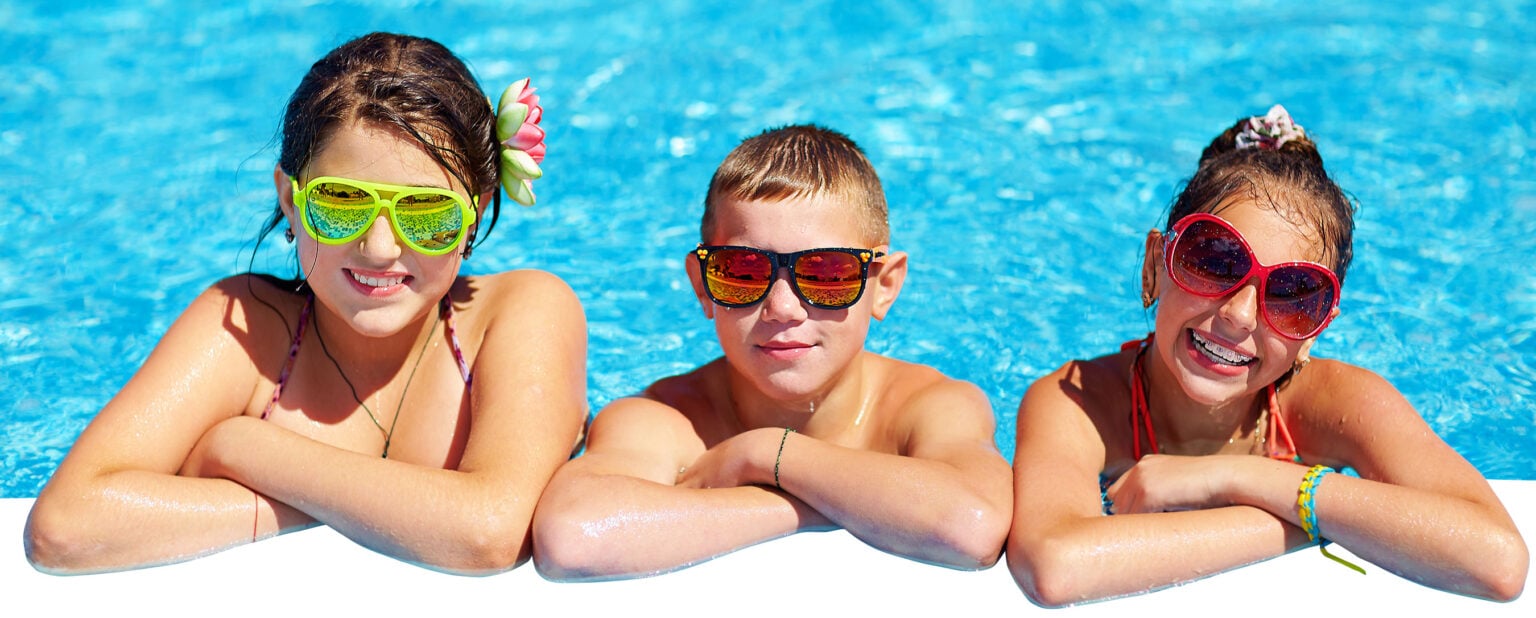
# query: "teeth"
378,282
1218,353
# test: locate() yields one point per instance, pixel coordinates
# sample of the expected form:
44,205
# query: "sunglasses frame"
786,260
1255,269
467,210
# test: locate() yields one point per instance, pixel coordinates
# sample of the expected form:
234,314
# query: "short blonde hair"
800,161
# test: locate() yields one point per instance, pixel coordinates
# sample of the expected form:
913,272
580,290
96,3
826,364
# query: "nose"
1241,309
782,304
379,243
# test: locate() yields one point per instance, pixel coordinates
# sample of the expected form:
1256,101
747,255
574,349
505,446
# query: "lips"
377,283
786,350
1218,353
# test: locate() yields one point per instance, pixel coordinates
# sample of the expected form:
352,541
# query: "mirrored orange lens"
737,277
829,278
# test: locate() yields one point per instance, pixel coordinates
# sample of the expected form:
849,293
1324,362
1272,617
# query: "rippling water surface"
1025,151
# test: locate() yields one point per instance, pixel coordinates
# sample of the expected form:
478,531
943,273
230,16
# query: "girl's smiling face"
1221,348
376,283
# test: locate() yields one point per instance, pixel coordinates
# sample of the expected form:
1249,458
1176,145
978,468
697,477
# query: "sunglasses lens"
1297,299
737,276
1209,260
338,211
830,279
431,221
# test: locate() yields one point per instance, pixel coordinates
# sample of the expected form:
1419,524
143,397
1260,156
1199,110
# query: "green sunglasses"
337,211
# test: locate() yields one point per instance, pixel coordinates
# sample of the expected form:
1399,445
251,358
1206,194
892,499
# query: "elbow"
568,547
55,542
1043,571
1505,580
973,537
495,543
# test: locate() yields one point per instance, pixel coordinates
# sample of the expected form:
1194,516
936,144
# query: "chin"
381,322
787,383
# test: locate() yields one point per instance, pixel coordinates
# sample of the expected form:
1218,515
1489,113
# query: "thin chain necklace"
390,433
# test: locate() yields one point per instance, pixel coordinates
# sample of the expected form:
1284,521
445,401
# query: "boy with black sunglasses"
797,427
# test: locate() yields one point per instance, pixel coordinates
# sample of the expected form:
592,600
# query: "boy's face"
788,349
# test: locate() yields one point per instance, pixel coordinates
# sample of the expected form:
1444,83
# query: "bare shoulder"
1095,388
642,437
1334,397
1330,386
517,294
245,316
1340,412
913,389
1076,415
698,397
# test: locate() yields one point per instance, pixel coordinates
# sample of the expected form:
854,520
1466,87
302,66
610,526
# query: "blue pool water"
1025,151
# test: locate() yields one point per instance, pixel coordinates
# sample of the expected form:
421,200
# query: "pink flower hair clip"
517,128
1270,131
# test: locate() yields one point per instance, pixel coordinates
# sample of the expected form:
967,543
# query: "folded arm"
527,406
1062,549
945,500
1418,508
116,500
617,511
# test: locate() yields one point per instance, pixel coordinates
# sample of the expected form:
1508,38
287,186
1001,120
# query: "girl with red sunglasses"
1209,444
417,411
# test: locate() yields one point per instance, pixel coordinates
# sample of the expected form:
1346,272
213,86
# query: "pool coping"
318,570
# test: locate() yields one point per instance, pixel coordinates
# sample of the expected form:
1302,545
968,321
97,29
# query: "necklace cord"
390,433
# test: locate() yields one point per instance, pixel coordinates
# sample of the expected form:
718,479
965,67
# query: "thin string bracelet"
1307,511
780,457
255,514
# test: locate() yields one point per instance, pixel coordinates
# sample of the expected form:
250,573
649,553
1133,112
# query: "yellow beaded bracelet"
1306,510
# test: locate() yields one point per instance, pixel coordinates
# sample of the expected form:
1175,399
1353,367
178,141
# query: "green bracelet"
780,456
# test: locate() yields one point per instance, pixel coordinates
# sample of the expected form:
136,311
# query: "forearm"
597,526
924,509
1090,558
1442,541
439,518
135,518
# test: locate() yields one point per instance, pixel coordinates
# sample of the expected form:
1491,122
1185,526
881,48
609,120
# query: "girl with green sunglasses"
379,392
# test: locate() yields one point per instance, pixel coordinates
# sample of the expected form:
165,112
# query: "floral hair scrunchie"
1270,131
517,128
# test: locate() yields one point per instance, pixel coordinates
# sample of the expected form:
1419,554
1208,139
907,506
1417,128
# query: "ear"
1306,346
695,277
1152,258
885,285
285,199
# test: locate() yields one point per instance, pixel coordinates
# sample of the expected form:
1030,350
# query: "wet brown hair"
1290,180
411,84
799,161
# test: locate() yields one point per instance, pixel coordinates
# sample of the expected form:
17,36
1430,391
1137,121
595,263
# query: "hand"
734,462
1161,483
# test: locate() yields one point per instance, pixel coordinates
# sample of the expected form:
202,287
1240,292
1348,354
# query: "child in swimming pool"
1215,435
417,411
797,427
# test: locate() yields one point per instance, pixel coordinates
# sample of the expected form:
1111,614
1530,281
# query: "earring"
1301,363
1148,289
288,234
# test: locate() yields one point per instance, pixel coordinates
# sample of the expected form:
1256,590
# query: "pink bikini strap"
293,353
453,341
445,309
